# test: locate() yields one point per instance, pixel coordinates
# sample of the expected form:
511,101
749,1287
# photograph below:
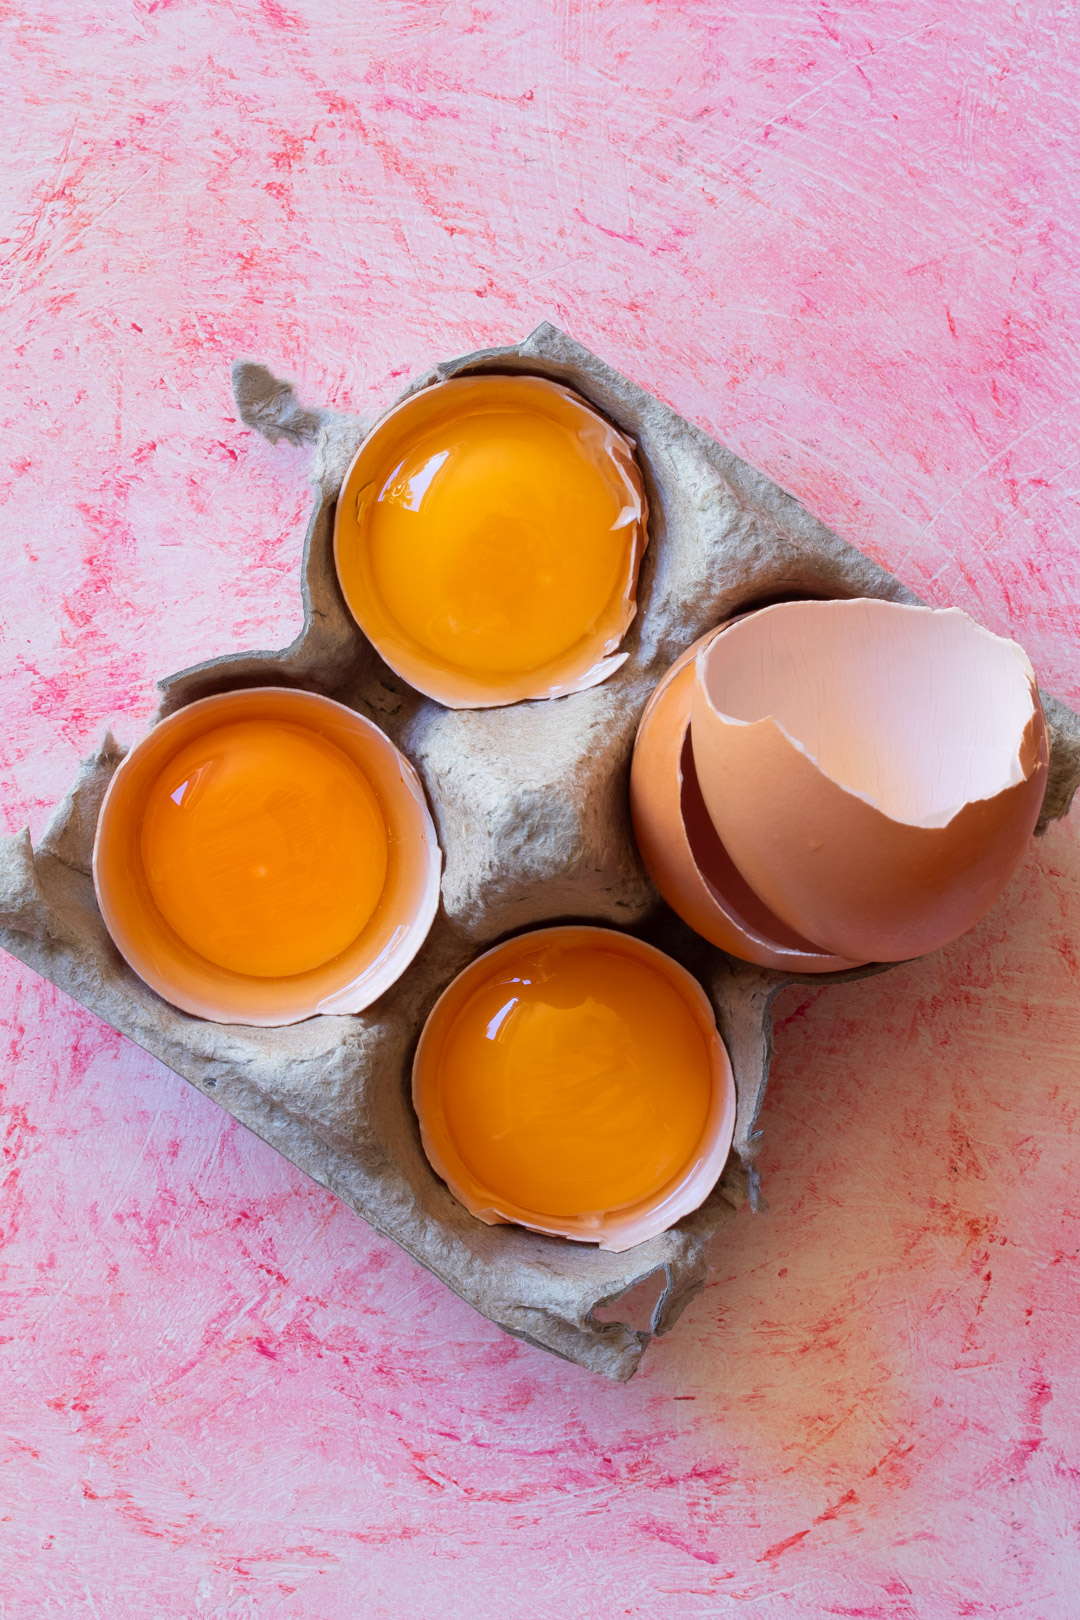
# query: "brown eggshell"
681,850
875,770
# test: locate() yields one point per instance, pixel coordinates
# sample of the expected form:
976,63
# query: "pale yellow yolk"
576,1081
496,542
264,848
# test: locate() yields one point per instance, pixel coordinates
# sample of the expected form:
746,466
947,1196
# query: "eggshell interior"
680,847
361,972
614,1230
596,654
874,770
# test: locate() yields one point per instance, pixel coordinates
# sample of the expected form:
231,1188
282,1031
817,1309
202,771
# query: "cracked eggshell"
875,770
358,975
613,1230
680,847
436,411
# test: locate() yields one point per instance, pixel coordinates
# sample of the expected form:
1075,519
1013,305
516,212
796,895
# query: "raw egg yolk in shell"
264,848
575,1080
488,540
499,548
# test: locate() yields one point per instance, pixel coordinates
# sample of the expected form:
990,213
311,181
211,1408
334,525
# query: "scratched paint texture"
843,238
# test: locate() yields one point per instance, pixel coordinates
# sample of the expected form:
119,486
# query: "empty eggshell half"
680,847
874,770
487,538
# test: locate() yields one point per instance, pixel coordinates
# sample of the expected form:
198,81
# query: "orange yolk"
497,541
576,1081
264,848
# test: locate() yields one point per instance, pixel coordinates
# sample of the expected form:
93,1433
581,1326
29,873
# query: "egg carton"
530,802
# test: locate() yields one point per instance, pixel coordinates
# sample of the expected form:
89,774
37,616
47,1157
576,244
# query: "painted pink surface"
843,238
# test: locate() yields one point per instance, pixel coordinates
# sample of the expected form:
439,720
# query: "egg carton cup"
530,802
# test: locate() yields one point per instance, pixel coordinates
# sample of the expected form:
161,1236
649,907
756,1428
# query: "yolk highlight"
576,1081
498,540
264,848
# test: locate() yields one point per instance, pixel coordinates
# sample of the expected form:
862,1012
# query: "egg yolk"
497,540
264,848
576,1081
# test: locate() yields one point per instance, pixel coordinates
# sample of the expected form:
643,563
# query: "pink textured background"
842,237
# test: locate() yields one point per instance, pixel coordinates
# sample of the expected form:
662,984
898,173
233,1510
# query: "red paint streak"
827,1514
1038,1393
964,1162
780,1547
292,151
672,1538
618,236
278,17
831,1512
422,111
895,1452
